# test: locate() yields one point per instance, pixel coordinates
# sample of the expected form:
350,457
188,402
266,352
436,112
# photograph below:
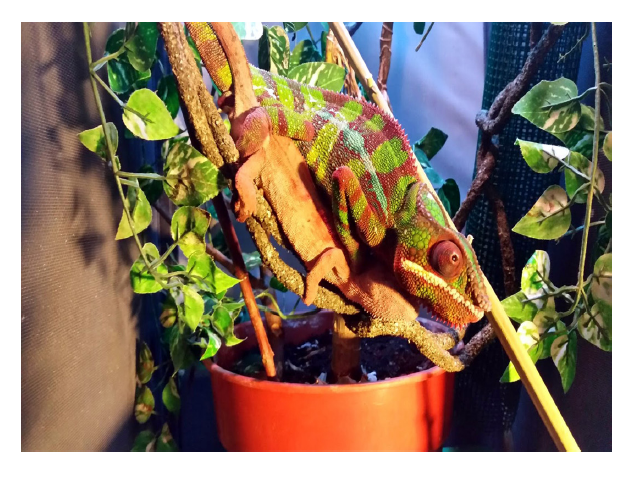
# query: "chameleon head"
436,263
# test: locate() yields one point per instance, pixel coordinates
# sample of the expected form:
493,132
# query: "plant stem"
425,36
149,176
310,34
580,40
594,169
98,64
110,150
123,105
581,227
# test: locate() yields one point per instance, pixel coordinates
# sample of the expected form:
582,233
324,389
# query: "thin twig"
385,59
110,149
578,43
594,169
506,245
424,37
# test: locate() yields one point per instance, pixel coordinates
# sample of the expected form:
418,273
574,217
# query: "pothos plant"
556,107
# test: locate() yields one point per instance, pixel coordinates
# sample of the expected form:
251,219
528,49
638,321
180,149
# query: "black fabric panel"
78,310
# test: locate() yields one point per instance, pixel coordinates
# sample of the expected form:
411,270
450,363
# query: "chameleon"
360,157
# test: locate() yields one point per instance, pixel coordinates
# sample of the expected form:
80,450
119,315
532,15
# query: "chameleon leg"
329,259
349,197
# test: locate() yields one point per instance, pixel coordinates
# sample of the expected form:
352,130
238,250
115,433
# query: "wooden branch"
355,60
385,59
506,245
199,117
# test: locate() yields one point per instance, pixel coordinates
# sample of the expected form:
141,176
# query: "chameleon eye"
446,259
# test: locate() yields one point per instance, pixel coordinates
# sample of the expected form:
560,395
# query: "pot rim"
268,385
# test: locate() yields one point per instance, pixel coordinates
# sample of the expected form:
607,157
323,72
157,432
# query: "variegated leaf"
549,218
535,274
188,227
602,284
140,210
191,179
319,74
145,403
574,181
563,351
304,52
273,50
607,146
156,122
540,157
595,326
142,281
528,335
548,105
588,119
95,139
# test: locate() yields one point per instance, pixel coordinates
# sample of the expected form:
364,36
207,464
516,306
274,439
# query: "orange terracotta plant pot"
409,413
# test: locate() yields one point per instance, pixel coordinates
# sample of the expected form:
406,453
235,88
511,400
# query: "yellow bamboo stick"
547,409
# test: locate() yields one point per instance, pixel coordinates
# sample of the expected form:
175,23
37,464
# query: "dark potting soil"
380,358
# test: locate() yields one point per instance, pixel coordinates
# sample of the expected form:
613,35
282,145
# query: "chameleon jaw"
433,279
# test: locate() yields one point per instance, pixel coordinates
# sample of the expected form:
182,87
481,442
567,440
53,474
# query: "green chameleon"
361,158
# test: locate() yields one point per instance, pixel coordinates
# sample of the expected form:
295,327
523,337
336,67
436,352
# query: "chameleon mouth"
433,279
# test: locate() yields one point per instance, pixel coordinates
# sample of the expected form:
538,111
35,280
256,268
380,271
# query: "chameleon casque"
360,157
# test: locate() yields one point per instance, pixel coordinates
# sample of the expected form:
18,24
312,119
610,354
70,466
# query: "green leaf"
252,260
179,349
121,75
168,93
573,181
273,50
192,309
248,30
552,333
518,309
169,312
432,142
528,335
549,218
144,366
165,442
602,282
95,140
540,157
223,324
588,119
546,106
290,27
418,27
595,325
141,49
323,44
607,146
140,209
167,145
145,442
145,282
151,188
547,316
534,273
304,52
188,227
211,278
157,123
449,194
145,403
191,179
433,176
213,345
578,140
564,351
276,284
328,76
171,397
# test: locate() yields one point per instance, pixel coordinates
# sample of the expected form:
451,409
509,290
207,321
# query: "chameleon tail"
224,59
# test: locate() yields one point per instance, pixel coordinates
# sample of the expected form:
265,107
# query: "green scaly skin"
361,158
